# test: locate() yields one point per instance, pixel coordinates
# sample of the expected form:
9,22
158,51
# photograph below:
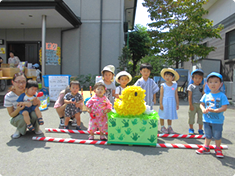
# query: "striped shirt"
150,87
10,100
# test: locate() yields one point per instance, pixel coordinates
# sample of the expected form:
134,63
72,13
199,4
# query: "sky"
142,16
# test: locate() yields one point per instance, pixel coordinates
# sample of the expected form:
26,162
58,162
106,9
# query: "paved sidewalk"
24,156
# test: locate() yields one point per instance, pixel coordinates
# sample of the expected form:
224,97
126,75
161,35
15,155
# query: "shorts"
213,130
197,110
29,109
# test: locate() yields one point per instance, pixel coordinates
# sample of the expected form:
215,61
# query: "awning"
28,14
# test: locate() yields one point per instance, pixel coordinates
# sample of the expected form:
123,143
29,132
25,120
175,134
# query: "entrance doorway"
26,51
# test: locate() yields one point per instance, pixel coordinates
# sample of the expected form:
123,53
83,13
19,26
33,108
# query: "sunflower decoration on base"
131,101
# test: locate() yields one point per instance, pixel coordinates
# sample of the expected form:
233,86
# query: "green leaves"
179,29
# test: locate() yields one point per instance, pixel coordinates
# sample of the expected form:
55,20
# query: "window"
230,45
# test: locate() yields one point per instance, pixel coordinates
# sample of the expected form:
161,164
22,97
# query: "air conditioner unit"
229,89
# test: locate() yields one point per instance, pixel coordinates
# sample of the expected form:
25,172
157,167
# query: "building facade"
223,58
81,36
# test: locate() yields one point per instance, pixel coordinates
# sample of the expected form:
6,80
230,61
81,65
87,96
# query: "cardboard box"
135,131
5,65
0,73
9,72
30,72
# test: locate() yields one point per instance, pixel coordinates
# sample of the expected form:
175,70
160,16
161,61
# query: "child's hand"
107,111
71,101
191,108
89,110
210,109
177,107
161,107
205,111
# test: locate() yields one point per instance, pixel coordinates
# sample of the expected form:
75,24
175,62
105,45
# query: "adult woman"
13,107
13,60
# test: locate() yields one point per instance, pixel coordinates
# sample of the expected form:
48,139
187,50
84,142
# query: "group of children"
211,105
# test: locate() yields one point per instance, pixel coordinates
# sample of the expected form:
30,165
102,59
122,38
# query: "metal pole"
101,18
43,46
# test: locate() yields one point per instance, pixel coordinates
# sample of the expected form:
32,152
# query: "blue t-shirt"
214,101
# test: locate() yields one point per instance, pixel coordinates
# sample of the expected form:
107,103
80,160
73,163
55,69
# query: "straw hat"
109,68
123,73
176,75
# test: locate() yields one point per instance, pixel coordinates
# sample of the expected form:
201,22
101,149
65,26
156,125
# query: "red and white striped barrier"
64,140
97,132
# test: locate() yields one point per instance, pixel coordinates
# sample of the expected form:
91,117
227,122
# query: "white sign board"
56,85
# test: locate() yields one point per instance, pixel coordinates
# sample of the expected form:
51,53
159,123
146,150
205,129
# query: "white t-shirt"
119,90
10,100
14,60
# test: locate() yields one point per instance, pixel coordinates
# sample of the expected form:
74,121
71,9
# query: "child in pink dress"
98,107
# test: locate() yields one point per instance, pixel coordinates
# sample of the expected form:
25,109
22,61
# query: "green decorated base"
133,130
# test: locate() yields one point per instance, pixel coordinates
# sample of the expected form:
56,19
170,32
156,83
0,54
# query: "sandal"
30,127
40,121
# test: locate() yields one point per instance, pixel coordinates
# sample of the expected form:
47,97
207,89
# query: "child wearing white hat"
107,80
122,78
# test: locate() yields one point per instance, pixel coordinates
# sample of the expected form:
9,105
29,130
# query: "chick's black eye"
135,93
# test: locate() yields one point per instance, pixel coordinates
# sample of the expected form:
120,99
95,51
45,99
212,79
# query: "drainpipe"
61,42
101,19
43,46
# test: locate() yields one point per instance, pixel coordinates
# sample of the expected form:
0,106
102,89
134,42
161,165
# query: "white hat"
176,75
123,73
109,68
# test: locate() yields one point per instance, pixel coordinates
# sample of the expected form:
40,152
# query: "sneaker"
218,153
170,130
91,138
200,132
74,122
16,134
62,122
103,138
191,131
164,130
38,132
203,150
78,128
66,127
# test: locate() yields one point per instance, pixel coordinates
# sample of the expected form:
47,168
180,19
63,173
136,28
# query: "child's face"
214,84
168,77
32,91
197,79
100,91
108,76
74,89
123,81
145,73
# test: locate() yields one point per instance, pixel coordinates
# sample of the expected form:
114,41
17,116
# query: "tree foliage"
178,29
139,44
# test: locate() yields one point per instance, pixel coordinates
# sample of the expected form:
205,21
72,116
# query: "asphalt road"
24,156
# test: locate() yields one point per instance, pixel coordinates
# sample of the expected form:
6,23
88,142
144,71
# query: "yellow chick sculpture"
132,101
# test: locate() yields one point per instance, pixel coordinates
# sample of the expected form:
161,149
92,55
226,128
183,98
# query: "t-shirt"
14,60
109,89
214,101
119,90
196,92
10,100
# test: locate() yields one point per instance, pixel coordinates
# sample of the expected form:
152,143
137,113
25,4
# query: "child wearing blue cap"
195,92
213,105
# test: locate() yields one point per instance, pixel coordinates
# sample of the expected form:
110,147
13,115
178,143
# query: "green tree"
178,29
139,44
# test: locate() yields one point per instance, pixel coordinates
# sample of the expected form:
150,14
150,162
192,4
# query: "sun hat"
197,70
123,73
109,68
176,75
214,74
36,65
